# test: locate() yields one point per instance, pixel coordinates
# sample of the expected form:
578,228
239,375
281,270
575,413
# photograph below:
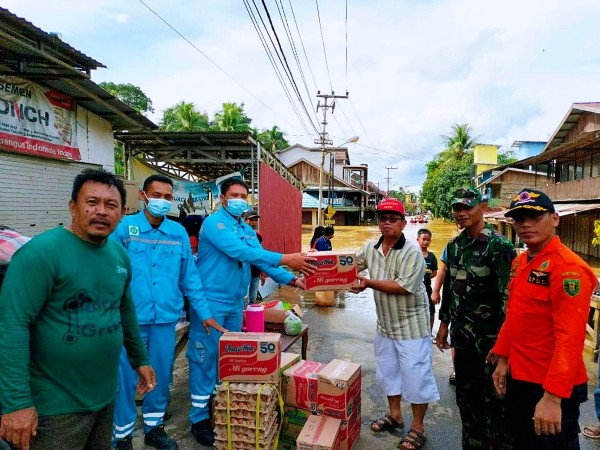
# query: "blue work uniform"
226,248
163,268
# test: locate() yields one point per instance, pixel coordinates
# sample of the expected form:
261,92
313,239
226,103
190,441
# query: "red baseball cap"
391,205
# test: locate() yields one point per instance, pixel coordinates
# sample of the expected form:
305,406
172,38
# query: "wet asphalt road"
346,332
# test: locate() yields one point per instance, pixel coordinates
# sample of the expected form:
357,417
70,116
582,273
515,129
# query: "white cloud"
510,69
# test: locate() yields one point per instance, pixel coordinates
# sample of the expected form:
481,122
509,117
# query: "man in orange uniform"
539,349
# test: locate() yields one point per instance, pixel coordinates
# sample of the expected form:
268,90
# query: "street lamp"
322,168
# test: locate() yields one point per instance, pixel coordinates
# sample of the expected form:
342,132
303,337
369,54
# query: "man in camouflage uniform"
474,302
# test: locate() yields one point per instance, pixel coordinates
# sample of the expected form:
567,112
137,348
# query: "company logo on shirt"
134,230
121,270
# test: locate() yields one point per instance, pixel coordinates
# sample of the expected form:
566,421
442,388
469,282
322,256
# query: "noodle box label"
300,384
319,433
250,357
335,271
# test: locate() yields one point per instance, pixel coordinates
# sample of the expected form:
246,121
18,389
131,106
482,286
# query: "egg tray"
244,425
243,417
245,439
246,388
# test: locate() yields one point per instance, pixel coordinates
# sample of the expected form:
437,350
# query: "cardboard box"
319,433
335,271
293,422
350,430
300,384
339,388
279,315
287,361
249,357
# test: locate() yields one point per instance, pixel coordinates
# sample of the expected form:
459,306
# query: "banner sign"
193,198
37,121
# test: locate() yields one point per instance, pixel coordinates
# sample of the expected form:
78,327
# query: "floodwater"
349,238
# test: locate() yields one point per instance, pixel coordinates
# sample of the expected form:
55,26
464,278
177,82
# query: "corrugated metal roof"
563,209
308,201
30,53
569,121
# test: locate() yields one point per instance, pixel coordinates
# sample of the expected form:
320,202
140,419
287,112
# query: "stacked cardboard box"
249,366
331,390
338,395
319,433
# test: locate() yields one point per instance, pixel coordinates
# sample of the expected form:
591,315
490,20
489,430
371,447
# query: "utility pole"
388,179
323,141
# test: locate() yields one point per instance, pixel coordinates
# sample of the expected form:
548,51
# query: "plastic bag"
292,325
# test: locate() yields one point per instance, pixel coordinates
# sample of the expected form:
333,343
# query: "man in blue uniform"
226,249
163,268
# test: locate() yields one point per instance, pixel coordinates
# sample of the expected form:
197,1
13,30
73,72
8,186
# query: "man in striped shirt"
402,341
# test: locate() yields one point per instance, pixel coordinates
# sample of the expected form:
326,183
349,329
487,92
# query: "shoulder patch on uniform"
545,265
134,230
572,274
571,286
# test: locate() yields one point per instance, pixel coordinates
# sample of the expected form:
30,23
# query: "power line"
272,59
213,62
388,179
289,71
323,41
288,31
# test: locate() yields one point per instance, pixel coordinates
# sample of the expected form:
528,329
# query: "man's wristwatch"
293,281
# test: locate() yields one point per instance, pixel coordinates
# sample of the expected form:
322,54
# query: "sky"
413,68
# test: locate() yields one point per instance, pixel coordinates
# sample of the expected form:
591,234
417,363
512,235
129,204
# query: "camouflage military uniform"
474,303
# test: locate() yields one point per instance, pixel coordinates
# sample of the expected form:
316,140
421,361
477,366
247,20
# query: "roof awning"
563,209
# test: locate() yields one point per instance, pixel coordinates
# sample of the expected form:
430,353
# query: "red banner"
36,147
37,121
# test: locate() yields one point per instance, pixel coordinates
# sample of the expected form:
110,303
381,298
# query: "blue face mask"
158,207
236,206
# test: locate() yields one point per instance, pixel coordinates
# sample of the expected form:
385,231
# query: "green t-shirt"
65,313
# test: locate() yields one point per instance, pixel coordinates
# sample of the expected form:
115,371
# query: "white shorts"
405,367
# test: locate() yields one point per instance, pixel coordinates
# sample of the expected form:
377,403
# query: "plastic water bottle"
182,317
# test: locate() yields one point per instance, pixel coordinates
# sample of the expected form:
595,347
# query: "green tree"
184,117
458,143
506,157
129,94
231,118
273,139
442,180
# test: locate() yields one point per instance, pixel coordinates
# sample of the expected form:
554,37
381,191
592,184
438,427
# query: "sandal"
414,438
452,378
385,423
592,432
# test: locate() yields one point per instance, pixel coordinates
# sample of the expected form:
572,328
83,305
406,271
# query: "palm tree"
231,118
184,117
273,139
458,143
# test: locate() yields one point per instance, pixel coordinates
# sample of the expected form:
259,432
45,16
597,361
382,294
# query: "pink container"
254,319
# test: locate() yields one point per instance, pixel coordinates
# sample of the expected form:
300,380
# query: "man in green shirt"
65,313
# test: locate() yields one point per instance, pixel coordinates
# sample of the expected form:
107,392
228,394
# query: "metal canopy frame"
202,156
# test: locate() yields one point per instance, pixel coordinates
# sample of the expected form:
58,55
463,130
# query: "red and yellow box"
335,271
250,357
319,433
300,384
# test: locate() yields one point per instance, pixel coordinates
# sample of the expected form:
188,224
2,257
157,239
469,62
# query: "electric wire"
272,61
323,42
303,48
289,72
214,63
288,31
